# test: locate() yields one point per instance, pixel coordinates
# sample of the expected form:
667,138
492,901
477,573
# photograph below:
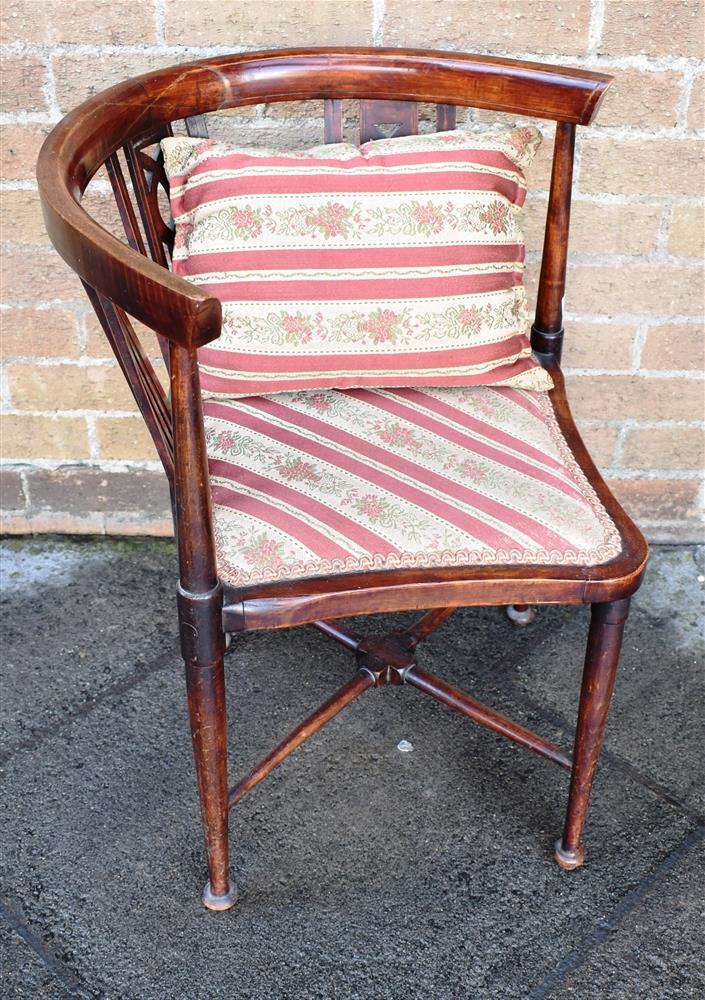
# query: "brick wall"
75,456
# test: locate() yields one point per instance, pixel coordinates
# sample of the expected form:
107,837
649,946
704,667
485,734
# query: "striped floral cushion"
399,263
320,483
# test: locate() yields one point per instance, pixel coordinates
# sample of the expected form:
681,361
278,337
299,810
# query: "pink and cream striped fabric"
311,484
399,263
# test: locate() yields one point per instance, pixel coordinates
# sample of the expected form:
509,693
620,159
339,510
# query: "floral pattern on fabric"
374,325
350,222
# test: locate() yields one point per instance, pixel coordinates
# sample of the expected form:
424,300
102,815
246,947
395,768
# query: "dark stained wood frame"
133,280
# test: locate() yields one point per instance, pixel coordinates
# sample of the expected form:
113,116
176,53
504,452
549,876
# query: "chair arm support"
173,307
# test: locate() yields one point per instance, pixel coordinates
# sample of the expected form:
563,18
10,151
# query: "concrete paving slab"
72,626
365,872
361,876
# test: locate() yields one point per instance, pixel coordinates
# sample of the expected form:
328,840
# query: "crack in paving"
602,930
49,959
127,683
630,770
508,685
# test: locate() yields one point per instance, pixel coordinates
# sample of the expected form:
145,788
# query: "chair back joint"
201,628
549,345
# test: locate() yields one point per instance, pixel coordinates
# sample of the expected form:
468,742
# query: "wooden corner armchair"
124,125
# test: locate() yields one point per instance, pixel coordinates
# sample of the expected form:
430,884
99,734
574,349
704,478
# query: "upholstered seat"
321,483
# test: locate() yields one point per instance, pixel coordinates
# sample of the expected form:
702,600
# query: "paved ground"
365,872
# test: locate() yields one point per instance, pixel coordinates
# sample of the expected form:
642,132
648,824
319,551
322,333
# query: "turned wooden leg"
203,647
604,642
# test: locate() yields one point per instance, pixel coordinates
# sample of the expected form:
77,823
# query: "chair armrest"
173,307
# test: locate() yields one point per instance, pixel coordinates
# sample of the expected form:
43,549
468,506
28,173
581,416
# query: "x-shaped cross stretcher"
391,659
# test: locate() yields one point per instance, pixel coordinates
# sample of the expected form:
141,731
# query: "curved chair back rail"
143,106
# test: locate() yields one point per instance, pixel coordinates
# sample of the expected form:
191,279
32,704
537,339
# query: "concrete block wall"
75,456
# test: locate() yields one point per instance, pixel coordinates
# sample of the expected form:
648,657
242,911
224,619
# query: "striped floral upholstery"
394,264
322,483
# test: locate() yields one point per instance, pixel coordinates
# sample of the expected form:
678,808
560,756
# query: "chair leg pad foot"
219,903
521,617
569,860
